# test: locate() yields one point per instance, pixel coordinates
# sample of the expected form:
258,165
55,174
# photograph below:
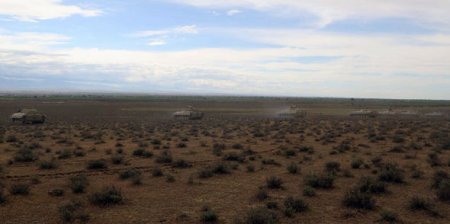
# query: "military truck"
188,114
28,116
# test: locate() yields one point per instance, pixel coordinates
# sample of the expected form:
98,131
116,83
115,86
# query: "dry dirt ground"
239,164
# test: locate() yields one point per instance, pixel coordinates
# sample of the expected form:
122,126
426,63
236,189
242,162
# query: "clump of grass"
357,163
72,211
208,215
309,191
157,172
65,154
354,198
388,216
418,203
333,166
218,168
390,172
272,205
110,195
57,192
234,157
78,183
292,168
250,168
369,185
140,152
19,189
180,163
11,138
170,178
324,181
443,190
274,182
261,195
294,205
130,173
48,164
25,155
259,215
97,164
164,157
2,196
117,159
438,177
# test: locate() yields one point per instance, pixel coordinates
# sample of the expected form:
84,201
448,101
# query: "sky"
304,48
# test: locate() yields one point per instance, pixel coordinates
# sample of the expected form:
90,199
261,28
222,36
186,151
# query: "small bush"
164,157
57,192
65,154
250,168
292,168
20,189
11,139
130,173
117,159
438,177
333,166
309,191
325,181
234,157
419,203
357,199
274,182
107,196
272,205
79,153
261,195
25,155
208,215
181,164
2,196
295,204
390,172
78,183
170,178
388,216
369,185
97,164
71,212
443,191
260,215
48,165
157,172
138,152
237,146
357,163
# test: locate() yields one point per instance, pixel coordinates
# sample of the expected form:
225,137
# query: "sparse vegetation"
324,181
354,198
110,195
274,182
78,183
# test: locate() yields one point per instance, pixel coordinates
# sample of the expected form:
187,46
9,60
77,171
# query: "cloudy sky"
333,48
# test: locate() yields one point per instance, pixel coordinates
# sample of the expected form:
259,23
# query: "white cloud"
191,29
233,12
157,43
34,10
328,11
392,66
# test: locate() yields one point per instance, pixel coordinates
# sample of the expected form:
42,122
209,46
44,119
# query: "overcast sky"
331,48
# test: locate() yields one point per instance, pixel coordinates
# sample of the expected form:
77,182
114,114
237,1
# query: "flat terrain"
240,161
